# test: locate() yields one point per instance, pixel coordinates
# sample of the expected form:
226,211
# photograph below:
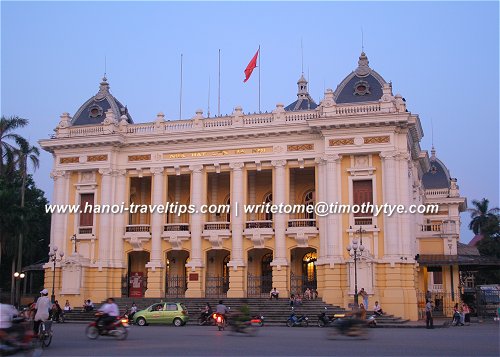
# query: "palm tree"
483,218
7,151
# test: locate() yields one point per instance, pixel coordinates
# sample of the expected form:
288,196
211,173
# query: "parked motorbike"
22,342
295,320
324,319
118,328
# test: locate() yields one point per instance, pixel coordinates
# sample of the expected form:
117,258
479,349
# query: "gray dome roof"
361,85
93,111
438,176
304,100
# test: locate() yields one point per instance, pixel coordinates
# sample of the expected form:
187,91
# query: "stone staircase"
275,312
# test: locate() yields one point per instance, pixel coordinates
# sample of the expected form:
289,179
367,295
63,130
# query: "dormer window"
361,88
95,111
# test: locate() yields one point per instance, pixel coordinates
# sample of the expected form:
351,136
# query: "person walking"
429,323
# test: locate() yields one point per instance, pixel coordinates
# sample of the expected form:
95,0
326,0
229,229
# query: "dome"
361,85
93,111
304,100
438,176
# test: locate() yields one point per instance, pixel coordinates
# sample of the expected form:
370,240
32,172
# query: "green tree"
484,219
7,137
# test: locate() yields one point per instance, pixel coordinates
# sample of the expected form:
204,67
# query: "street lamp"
18,276
53,259
360,231
355,247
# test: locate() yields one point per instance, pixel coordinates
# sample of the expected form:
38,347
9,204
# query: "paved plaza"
475,340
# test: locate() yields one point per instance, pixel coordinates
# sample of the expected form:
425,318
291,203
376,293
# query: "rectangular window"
86,215
362,193
437,277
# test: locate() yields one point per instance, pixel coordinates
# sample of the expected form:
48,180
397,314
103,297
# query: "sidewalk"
438,323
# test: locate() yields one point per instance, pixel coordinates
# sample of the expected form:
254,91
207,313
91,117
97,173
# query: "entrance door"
137,274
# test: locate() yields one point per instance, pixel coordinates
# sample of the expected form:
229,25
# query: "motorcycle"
206,320
324,319
371,321
295,320
348,326
220,321
118,328
245,327
21,342
257,320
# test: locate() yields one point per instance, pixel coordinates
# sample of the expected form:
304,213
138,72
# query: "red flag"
251,66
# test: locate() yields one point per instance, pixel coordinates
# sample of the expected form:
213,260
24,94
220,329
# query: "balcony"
302,230
258,232
430,230
137,234
215,232
363,221
89,230
175,234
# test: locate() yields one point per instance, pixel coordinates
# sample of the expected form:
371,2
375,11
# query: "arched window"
267,270
308,266
309,198
268,198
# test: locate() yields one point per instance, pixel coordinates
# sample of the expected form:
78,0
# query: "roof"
304,100
93,111
361,85
438,176
440,259
476,240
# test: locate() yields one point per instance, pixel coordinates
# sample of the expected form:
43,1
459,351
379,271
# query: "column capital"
196,168
106,171
236,166
332,158
278,163
157,170
388,154
57,174
118,173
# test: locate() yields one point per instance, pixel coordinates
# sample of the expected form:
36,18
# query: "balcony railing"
215,226
301,223
259,224
436,287
176,227
137,228
363,221
86,230
433,227
437,192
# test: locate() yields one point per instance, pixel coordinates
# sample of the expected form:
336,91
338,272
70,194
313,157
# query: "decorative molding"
69,160
341,142
57,174
157,170
93,158
377,139
143,157
218,153
278,163
388,154
235,166
332,158
105,171
278,149
300,147
196,168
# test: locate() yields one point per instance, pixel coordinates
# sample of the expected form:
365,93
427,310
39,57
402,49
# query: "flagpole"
259,78
180,96
208,105
218,92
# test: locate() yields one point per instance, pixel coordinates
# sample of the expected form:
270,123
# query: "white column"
237,202
333,222
390,196
321,197
57,221
105,218
119,220
251,192
279,196
404,199
197,199
177,196
156,217
213,199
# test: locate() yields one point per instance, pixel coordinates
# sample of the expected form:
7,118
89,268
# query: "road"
475,340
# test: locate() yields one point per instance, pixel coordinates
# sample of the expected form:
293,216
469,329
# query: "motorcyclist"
222,309
206,311
242,317
109,311
8,331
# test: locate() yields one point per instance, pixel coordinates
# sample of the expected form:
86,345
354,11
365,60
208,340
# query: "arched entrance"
136,281
260,272
303,270
217,273
176,273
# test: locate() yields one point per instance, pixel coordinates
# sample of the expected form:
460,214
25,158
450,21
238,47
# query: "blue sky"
441,56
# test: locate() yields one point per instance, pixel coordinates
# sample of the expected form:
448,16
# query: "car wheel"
177,322
141,321
92,332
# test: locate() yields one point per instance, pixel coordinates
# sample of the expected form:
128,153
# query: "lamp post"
355,247
360,232
18,276
53,259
